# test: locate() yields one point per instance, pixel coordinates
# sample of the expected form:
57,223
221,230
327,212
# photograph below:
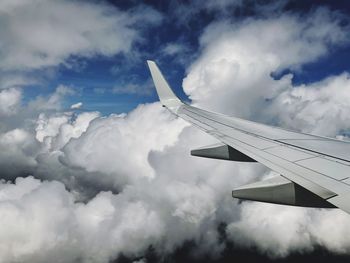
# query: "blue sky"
94,78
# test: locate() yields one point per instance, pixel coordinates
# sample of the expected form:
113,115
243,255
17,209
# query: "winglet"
166,95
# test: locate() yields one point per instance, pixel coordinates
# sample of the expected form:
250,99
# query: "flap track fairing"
221,151
279,190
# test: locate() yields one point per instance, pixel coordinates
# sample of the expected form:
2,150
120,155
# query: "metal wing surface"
317,165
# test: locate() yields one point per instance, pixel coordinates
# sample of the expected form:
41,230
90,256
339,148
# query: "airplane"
314,170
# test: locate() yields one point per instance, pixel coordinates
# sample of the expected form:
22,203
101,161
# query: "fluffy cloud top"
41,220
89,150
320,108
239,58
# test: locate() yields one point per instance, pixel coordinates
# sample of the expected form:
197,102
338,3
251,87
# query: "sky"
93,169
116,80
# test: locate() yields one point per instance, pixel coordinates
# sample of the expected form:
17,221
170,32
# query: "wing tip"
164,91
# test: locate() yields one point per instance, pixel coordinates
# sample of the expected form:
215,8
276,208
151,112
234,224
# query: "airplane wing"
314,170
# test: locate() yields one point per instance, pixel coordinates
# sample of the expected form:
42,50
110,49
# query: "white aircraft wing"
315,170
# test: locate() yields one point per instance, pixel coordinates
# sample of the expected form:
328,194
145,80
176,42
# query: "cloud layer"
102,186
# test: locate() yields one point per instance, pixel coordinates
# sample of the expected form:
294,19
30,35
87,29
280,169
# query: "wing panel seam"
263,137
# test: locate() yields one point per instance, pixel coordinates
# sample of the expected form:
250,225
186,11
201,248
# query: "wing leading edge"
315,170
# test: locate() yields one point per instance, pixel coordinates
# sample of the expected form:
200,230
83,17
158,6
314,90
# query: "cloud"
10,100
307,229
41,220
16,80
185,12
143,89
172,49
233,53
19,156
94,151
53,101
108,224
180,52
56,131
320,108
40,33
221,79
77,105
